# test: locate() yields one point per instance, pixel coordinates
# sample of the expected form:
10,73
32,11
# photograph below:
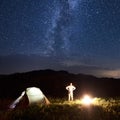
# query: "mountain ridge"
53,83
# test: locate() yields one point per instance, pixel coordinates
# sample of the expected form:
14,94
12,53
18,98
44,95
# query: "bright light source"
87,100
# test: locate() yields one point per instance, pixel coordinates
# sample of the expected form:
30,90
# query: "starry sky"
80,36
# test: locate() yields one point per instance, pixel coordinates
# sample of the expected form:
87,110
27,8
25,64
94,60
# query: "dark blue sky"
81,36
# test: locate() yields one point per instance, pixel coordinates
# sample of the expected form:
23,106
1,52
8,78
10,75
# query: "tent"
30,96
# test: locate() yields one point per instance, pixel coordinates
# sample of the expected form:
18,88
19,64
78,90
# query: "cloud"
70,63
92,69
110,73
22,63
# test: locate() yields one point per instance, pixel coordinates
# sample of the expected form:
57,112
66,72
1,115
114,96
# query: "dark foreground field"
59,109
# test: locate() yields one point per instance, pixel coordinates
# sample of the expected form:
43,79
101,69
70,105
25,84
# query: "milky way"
58,35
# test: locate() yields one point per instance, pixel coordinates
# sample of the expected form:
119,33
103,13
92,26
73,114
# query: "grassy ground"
60,109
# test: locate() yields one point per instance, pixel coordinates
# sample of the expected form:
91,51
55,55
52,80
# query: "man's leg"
72,96
68,97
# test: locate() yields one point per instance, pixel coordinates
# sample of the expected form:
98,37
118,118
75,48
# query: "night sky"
80,36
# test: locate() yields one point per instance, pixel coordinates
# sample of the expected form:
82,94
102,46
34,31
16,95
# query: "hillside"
53,83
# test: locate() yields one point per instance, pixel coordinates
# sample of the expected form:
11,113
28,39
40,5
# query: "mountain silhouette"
53,84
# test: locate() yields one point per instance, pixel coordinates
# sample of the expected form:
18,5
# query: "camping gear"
30,96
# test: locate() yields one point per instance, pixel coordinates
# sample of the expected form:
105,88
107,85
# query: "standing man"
70,89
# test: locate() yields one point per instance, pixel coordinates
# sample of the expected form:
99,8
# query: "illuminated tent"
32,95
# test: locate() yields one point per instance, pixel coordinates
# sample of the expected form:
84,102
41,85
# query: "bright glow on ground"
87,100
